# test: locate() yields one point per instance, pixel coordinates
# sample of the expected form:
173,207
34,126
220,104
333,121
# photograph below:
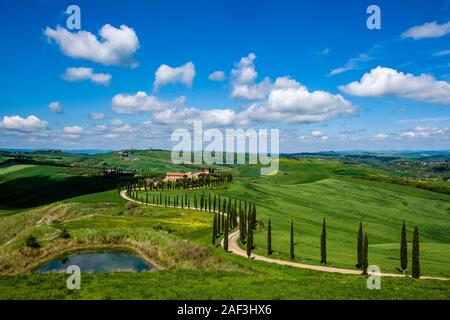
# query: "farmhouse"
174,176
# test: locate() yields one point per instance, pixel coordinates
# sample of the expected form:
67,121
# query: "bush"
32,242
65,234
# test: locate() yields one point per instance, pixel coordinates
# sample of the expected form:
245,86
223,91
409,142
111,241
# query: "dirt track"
234,248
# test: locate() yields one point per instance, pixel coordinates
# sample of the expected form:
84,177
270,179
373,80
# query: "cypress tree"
269,238
359,248
292,241
225,234
254,216
219,220
249,242
365,260
209,202
244,227
323,244
403,249
223,219
214,232
415,254
241,226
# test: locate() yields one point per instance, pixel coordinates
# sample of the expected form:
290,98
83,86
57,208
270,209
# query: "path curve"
234,248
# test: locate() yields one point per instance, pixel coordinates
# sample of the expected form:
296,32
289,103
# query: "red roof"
174,174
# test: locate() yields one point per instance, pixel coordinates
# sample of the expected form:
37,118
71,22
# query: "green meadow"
44,199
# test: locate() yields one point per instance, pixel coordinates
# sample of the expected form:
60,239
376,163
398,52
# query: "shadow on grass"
27,192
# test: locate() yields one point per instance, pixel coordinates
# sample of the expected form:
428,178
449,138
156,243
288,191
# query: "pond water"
98,262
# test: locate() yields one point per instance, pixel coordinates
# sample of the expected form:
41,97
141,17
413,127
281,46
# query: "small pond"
98,262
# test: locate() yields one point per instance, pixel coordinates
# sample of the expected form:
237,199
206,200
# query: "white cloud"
214,117
351,64
325,51
252,92
82,73
243,80
217,76
380,136
183,74
55,107
99,128
141,102
97,116
290,102
75,130
389,82
114,47
442,53
424,132
317,134
29,124
117,123
427,30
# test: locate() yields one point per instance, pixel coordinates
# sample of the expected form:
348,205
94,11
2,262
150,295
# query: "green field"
45,199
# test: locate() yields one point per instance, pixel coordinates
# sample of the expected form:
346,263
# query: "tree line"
157,182
362,245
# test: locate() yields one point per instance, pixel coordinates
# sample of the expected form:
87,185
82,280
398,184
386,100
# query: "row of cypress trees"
227,219
362,248
363,251
323,241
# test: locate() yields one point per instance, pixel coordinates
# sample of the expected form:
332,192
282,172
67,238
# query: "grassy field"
44,200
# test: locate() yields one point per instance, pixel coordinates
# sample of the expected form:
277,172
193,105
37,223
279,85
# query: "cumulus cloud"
217,76
214,117
115,46
141,102
290,102
82,73
244,80
75,130
427,30
97,116
389,82
29,124
55,107
166,74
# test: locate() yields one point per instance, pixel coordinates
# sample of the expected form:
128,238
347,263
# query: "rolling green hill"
45,199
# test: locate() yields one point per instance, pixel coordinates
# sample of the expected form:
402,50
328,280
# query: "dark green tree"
360,244
323,243
269,238
214,230
365,260
249,242
415,255
292,241
403,249
225,234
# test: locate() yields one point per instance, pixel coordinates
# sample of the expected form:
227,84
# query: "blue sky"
310,68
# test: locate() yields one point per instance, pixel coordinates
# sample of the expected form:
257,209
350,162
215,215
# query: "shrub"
65,234
32,242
